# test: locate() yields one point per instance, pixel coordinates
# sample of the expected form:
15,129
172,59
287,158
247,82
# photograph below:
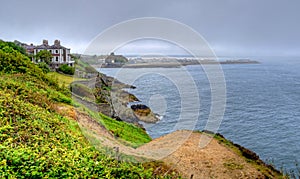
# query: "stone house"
61,55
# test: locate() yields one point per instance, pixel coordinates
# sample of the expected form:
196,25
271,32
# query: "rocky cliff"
112,100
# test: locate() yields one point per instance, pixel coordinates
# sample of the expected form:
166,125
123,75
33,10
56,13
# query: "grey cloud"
234,27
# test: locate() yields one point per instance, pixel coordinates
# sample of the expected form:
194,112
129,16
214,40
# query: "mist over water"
262,109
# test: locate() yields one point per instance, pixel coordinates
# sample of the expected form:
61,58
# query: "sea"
262,103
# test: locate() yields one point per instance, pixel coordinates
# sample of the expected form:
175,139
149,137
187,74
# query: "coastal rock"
107,95
144,113
141,109
113,101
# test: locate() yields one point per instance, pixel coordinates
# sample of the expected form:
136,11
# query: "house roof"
57,45
44,46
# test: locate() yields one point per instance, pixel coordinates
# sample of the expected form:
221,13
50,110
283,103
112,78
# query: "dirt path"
180,150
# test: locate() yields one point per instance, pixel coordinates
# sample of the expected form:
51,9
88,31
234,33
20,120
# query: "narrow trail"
180,150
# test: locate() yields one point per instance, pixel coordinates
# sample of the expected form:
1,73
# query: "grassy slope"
35,140
129,133
84,66
38,142
62,79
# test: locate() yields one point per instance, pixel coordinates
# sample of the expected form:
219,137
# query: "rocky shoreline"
110,98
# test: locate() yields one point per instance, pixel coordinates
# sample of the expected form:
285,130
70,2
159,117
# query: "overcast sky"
231,27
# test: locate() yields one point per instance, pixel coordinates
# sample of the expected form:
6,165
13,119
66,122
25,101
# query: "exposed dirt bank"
180,150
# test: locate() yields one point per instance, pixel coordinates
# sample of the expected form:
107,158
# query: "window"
56,51
50,51
57,59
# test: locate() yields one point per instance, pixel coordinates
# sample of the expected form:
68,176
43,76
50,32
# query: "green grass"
127,133
63,79
130,133
84,66
82,91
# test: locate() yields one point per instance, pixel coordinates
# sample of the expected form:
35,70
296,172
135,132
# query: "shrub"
13,61
44,67
13,46
66,69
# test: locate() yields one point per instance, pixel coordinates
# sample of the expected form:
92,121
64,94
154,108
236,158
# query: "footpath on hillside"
180,150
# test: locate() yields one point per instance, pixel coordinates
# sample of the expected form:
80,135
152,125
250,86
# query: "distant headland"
117,61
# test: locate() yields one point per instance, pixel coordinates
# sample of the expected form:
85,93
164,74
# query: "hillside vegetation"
37,140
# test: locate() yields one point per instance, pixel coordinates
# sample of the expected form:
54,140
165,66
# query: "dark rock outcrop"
144,113
113,100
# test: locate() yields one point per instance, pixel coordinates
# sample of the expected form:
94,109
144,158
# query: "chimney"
57,43
45,42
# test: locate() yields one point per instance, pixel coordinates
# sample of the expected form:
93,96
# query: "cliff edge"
180,151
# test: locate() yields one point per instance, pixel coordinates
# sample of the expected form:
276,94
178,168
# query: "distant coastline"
173,64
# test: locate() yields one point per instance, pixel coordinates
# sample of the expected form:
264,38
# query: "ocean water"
262,110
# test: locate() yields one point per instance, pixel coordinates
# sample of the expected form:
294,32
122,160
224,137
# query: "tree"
44,56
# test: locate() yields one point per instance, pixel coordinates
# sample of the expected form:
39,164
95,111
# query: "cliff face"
113,101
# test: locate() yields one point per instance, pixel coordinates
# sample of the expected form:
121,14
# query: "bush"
44,67
12,61
66,69
13,46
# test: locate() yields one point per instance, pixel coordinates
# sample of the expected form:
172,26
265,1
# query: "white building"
61,55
